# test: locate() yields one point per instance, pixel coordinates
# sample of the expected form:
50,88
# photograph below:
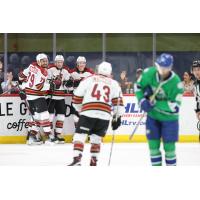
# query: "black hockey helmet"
196,63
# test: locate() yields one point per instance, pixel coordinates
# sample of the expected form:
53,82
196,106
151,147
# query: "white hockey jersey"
78,76
96,95
35,81
64,75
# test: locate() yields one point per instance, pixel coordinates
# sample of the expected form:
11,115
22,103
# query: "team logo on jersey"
161,94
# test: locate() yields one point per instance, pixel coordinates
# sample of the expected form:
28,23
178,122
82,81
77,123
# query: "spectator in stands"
25,62
9,84
188,83
1,70
1,74
138,73
124,83
71,62
14,64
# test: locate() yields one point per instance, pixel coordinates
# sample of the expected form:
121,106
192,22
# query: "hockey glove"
76,83
146,105
116,123
22,94
57,83
68,83
148,92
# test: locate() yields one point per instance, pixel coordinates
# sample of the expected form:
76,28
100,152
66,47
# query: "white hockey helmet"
104,68
59,58
81,59
41,56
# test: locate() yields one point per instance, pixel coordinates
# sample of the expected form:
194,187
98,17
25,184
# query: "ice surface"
124,154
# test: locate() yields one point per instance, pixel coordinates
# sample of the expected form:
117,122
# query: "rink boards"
14,117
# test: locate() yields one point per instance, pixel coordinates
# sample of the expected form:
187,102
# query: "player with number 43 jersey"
93,100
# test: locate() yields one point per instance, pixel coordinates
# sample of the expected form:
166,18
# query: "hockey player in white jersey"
60,83
36,86
81,71
93,100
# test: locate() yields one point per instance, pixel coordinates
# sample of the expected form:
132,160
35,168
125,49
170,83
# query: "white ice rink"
129,154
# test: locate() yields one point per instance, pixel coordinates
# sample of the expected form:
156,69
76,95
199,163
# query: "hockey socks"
156,157
78,150
170,155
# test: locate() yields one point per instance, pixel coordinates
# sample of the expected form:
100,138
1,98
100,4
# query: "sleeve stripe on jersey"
77,99
97,106
58,93
115,101
35,92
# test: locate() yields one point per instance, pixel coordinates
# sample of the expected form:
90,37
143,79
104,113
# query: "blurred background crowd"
129,54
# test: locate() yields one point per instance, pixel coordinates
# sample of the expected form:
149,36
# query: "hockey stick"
111,149
51,96
52,91
152,98
113,135
27,105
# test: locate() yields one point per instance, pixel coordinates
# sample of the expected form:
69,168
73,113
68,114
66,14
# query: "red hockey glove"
57,83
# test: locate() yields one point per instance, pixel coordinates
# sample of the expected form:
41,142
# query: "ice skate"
59,139
76,161
93,161
50,140
33,140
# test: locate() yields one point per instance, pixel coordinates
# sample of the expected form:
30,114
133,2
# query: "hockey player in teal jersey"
159,91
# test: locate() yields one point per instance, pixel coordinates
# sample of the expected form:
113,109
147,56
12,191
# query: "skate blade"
34,144
59,142
49,143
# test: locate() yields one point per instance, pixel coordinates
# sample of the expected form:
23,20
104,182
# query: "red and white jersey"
96,95
78,75
62,74
35,81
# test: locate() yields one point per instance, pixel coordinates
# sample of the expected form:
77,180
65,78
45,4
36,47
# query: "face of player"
59,64
81,66
164,72
44,63
196,72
